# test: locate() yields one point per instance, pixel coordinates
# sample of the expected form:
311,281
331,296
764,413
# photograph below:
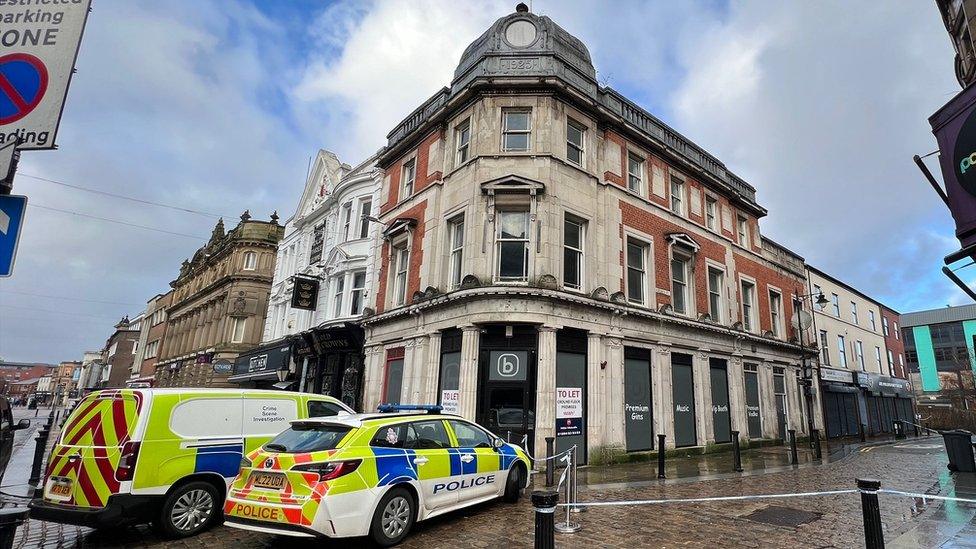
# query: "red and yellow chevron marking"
94,435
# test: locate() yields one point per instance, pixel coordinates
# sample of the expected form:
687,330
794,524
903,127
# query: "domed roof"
524,34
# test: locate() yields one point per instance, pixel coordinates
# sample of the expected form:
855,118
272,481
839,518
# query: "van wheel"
393,518
513,486
188,510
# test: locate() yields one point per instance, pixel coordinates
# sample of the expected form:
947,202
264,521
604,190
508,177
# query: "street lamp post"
807,372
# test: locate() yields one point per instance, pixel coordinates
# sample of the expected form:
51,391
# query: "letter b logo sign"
508,365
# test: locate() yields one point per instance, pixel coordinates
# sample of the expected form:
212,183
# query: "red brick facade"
422,179
894,342
416,257
652,224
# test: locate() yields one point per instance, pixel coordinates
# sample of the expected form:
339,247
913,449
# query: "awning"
266,359
284,385
254,376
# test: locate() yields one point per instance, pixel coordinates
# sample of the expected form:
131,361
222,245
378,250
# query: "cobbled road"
917,467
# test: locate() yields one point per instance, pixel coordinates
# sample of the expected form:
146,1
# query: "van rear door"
86,465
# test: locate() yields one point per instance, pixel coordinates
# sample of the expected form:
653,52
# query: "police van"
372,474
163,456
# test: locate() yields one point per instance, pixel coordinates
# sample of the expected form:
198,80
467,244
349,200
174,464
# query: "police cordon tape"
546,503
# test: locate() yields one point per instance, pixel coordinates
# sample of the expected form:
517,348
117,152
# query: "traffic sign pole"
9,157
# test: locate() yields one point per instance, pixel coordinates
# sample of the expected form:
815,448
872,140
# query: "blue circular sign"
23,81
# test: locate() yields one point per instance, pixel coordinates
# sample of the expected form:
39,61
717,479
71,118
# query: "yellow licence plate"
272,481
60,489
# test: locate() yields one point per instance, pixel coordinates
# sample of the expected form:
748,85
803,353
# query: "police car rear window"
301,438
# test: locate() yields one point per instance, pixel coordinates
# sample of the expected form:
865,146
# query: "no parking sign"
38,47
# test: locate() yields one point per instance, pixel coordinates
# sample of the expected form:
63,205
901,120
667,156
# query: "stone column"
662,395
614,389
596,397
414,363
794,400
432,369
468,374
767,400
704,427
372,377
737,397
545,399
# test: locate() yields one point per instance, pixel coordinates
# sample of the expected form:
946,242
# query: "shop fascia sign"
836,376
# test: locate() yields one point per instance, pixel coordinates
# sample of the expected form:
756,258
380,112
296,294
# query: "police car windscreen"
304,437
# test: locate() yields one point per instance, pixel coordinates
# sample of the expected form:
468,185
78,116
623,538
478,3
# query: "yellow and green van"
165,456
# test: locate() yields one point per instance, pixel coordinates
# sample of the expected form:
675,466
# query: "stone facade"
150,339
219,303
120,353
486,187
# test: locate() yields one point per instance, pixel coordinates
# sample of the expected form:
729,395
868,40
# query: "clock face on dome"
520,33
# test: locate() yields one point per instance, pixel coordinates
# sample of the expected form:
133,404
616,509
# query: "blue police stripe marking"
393,464
459,467
223,460
508,456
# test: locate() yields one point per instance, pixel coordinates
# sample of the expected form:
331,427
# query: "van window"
268,416
322,408
207,418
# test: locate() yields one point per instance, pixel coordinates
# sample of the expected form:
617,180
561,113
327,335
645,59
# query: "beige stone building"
218,305
556,261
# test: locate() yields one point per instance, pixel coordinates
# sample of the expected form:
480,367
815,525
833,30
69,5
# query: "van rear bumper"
120,510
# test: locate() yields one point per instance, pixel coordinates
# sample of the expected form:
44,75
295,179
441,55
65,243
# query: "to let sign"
38,47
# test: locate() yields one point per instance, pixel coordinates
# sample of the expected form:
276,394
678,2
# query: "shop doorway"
507,361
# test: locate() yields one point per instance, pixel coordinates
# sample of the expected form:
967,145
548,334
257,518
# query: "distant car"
372,474
165,456
7,428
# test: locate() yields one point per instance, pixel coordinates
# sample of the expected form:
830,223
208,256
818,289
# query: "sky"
217,106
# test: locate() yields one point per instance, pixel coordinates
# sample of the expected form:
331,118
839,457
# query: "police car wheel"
188,510
393,518
513,486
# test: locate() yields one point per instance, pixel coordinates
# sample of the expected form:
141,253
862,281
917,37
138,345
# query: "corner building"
556,261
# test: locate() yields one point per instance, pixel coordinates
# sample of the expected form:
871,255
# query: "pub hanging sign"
305,293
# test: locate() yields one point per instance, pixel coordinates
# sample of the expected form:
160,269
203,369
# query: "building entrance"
506,403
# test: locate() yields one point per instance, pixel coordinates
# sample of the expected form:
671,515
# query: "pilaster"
468,372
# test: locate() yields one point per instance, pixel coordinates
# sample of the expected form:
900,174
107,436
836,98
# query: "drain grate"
783,516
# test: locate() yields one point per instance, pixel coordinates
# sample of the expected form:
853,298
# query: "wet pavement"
14,485
913,465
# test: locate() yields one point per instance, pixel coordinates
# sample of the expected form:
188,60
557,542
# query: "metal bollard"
815,435
899,429
660,456
873,534
544,503
793,458
41,444
915,425
736,453
10,519
569,527
864,432
550,466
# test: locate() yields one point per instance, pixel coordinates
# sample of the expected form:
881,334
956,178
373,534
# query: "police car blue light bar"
429,408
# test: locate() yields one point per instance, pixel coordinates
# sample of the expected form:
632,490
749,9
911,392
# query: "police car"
372,474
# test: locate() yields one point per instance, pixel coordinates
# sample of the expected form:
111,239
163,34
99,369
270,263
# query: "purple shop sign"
954,126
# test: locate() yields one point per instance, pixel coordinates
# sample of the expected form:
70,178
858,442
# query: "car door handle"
420,460
467,458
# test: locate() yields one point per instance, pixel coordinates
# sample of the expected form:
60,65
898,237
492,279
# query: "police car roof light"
429,408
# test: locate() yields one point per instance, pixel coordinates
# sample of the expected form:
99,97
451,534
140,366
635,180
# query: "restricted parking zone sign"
38,47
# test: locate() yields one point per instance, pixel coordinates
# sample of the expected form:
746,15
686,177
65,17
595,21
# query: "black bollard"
815,436
10,519
864,432
41,444
660,456
550,467
899,429
873,534
736,453
915,425
544,503
793,458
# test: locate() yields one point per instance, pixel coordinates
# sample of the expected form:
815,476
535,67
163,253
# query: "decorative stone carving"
600,293
618,297
737,325
666,309
431,292
470,281
548,282
418,296
705,317
368,312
